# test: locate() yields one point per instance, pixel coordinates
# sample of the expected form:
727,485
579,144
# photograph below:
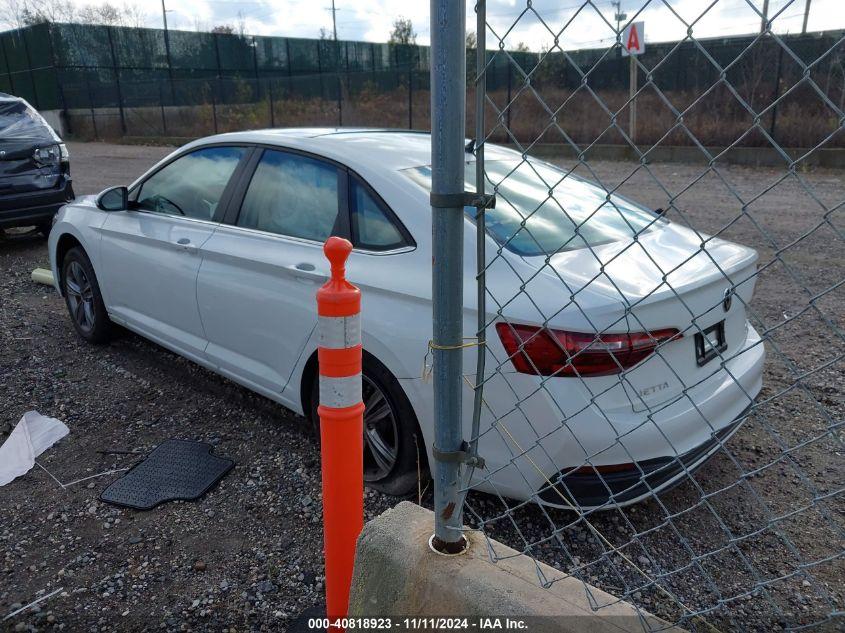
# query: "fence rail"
657,396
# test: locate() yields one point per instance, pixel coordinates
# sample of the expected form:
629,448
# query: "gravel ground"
247,556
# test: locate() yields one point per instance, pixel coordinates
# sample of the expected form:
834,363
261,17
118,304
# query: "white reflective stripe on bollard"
340,393
339,332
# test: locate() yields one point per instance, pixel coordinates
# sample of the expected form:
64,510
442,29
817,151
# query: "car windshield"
530,222
18,122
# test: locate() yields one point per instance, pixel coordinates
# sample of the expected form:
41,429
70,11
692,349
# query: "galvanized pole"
448,108
480,224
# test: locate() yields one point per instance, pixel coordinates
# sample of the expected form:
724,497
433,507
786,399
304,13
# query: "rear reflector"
546,352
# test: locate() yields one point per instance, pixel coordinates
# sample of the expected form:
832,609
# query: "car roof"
361,147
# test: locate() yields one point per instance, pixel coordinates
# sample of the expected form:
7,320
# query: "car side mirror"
114,199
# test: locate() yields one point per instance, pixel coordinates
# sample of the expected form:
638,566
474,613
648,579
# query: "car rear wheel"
83,299
394,452
44,228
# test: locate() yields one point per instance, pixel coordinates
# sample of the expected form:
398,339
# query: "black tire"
45,227
409,465
83,298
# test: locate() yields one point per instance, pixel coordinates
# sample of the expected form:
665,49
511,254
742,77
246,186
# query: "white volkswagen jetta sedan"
216,254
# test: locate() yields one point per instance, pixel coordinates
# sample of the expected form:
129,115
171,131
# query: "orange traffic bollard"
341,414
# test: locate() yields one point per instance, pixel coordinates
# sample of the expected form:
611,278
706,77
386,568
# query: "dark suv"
34,169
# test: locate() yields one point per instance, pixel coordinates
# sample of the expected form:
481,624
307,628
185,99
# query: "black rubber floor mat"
176,469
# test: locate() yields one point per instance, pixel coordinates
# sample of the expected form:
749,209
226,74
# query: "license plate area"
710,343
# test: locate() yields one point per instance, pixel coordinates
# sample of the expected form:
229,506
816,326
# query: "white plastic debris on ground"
33,435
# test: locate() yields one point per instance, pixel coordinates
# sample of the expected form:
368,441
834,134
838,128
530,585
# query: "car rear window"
539,208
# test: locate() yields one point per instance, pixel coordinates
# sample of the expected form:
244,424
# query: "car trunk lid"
665,279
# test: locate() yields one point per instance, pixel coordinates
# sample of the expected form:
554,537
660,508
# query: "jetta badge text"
728,300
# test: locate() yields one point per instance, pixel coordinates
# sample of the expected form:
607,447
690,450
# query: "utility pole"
806,16
765,16
619,16
334,20
334,10
167,52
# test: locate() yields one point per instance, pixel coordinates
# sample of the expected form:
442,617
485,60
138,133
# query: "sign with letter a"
633,39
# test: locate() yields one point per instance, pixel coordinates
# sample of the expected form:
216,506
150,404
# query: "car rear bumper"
589,488
531,434
35,207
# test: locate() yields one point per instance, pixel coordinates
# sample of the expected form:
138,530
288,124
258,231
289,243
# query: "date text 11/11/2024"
420,623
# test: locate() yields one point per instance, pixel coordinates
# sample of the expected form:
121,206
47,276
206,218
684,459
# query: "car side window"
292,195
192,185
372,226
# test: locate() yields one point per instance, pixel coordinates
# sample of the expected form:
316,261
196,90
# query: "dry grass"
716,118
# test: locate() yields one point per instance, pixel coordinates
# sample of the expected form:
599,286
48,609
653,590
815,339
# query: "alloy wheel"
80,296
381,433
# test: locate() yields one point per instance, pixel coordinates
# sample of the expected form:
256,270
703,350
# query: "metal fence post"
23,33
272,105
632,98
448,101
509,108
480,223
410,99
776,94
214,109
65,111
116,70
91,105
339,101
161,105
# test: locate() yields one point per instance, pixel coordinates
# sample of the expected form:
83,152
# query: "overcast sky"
371,20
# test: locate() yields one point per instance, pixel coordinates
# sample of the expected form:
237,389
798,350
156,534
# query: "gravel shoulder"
247,556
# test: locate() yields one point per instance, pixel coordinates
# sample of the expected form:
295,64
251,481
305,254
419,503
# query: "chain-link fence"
656,378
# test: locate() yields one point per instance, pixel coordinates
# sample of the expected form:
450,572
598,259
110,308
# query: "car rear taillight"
47,155
546,352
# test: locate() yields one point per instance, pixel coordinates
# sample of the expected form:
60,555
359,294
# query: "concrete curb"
397,575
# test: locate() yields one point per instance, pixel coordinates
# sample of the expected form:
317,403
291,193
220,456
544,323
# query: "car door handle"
186,245
305,270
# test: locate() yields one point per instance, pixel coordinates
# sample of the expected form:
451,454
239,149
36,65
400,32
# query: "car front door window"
192,185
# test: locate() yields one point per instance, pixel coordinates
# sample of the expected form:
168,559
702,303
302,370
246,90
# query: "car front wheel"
83,299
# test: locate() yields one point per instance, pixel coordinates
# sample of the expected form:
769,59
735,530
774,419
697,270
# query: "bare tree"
471,40
134,15
105,13
21,13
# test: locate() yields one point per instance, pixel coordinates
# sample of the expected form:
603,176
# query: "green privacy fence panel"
74,66
26,57
54,64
